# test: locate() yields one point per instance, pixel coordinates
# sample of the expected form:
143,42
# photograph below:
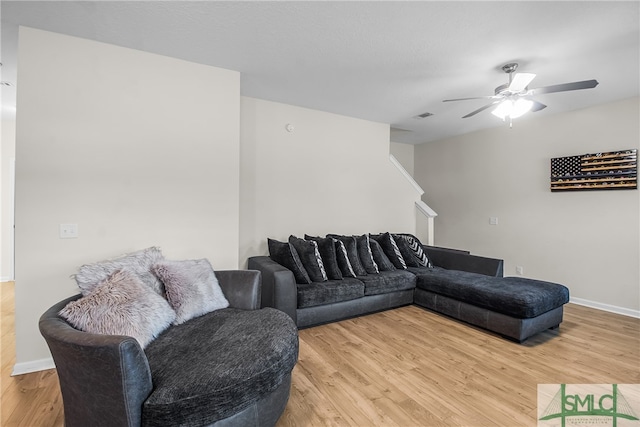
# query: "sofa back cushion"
352,252
191,286
286,255
411,250
391,250
365,254
327,249
382,261
342,257
121,305
310,257
138,263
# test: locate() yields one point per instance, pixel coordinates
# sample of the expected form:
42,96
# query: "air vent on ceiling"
423,115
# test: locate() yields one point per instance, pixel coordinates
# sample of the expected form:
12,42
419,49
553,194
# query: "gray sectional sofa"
453,282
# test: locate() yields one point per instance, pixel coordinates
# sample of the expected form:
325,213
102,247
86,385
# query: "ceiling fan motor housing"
502,89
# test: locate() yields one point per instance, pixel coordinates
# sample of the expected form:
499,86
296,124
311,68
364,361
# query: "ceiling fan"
513,99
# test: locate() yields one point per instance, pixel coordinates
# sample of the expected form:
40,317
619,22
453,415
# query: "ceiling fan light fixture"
503,109
511,109
521,107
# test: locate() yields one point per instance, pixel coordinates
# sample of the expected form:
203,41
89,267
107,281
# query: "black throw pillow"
286,255
416,247
327,249
310,257
390,249
343,259
409,257
352,252
383,262
365,255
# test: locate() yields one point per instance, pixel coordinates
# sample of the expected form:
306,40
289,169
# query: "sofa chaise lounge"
455,283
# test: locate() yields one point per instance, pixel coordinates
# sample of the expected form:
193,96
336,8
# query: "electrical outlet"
519,270
493,220
68,231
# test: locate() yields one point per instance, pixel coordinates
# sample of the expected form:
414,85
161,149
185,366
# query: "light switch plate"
68,231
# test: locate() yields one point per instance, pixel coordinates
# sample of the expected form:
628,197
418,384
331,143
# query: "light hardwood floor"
27,400
403,367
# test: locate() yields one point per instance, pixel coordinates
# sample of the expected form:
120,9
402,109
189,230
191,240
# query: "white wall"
137,149
589,241
7,156
332,174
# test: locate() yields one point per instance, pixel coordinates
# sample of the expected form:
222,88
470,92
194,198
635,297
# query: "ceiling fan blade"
537,106
473,113
585,84
466,99
521,81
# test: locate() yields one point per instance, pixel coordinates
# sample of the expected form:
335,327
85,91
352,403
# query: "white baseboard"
606,307
6,279
33,366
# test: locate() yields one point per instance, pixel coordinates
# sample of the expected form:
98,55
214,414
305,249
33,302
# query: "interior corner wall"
404,153
588,240
7,157
137,149
331,174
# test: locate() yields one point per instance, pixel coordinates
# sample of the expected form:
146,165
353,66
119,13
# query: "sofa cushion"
191,286
139,263
408,255
391,250
365,255
286,255
388,281
419,270
121,305
310,257
514,296
239,357
327,249
342,257
417,252
382,261
352,252
329,292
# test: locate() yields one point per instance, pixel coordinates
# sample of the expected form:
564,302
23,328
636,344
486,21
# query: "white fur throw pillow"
138,263
191,287
121,305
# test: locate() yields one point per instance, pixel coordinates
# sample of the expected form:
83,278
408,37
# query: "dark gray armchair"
111,381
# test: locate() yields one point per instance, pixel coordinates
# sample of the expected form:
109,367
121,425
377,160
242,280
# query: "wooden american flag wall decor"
615,170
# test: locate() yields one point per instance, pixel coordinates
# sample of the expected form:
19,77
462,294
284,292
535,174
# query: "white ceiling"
379,61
